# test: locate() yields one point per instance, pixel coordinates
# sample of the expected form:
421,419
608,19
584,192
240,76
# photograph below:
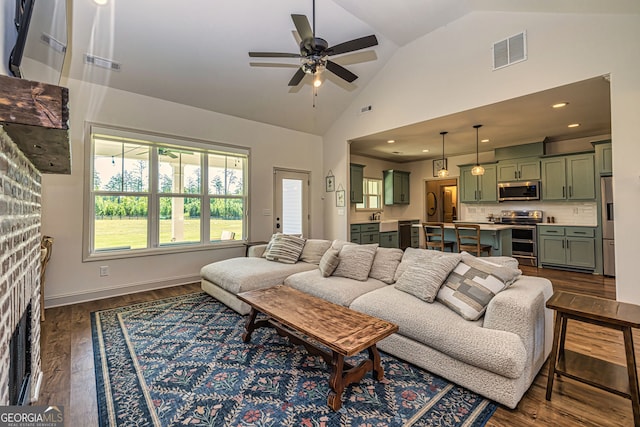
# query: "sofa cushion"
385,264
473,283
313,250
246,274
417,256
424,281
355,261
335,289
440,328
329,262
285,248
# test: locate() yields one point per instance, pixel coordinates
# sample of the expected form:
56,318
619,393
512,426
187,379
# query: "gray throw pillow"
355,261
329,262
286,248
313,250
424,281
473,283
417,256
385,264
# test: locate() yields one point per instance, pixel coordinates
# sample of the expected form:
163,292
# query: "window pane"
120,222
374,202
226,175
179,220
120,167
226,216
179,171
292,206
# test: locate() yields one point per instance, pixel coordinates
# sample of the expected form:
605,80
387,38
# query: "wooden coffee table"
304,318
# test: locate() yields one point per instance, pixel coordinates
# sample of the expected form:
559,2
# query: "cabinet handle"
570,191
479,194
579,232
552,231
515,173
519,174
563,195
563,244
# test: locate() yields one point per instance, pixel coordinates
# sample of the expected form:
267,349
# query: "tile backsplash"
568,213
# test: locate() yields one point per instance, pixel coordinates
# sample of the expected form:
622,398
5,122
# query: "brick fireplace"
20,235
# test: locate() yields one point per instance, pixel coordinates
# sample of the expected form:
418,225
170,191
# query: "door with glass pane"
291,207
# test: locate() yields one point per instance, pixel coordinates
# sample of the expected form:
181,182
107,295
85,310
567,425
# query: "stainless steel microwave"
518,190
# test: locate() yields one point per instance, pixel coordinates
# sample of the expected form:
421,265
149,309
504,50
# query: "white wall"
9,33
71,280
449,71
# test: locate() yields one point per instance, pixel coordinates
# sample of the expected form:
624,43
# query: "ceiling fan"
314,51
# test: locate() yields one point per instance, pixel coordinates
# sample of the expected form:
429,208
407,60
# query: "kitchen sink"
388,225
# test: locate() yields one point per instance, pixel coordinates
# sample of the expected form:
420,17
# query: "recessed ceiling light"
573,125
391,141
425,151
560,105
484,140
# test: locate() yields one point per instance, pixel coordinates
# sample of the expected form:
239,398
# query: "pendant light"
442,173
477,169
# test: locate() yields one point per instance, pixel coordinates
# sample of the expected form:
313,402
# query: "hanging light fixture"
443,172
477,169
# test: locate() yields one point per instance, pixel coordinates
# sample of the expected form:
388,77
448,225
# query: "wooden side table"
611,377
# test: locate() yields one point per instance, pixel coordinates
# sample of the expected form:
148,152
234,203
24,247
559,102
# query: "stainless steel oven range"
524,245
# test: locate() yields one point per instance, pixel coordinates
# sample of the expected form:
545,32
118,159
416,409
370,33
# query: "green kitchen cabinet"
604,160
389,239
396,187
415,235
571,247
568,177
365,233
519,170
481,188
356,178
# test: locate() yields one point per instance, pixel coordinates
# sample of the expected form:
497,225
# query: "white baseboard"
114,291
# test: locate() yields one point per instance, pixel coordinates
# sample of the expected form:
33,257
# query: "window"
372,194
150,193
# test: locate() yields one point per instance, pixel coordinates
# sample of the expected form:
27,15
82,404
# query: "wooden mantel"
36,117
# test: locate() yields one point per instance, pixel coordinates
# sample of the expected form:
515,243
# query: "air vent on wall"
510,51
101,62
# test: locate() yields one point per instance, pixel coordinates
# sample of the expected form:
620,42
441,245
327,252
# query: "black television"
41,42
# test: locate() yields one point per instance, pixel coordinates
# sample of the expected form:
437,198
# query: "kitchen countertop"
483,226
371,221
565,224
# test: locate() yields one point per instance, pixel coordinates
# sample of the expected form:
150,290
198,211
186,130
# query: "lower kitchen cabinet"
365,233
389,239
570,247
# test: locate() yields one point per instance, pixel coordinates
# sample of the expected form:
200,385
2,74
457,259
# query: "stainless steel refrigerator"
608,243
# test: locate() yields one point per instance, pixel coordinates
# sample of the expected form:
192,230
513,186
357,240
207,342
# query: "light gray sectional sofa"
497,356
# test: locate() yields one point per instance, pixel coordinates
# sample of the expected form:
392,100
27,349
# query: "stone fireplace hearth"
20,193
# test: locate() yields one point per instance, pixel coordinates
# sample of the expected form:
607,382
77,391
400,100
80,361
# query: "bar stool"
434,236
468,238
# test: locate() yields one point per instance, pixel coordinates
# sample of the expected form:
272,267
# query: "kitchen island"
496,235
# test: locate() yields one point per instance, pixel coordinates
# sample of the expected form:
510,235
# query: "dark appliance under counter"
524,245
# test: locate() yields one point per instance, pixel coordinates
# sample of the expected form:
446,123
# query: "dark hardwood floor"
69,380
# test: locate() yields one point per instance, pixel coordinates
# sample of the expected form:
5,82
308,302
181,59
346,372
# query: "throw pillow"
271,240
417,256
329,262
286,248
424,281
313,250
385,264
473,283
355,261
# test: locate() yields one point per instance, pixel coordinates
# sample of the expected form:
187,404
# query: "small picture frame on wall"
340,201
330,183
439,164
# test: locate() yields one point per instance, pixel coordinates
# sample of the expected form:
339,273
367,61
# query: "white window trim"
159,139
381,195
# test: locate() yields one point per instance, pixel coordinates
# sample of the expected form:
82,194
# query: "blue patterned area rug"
181,362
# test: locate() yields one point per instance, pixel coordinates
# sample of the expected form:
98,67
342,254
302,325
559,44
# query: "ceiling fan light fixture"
477,169
316,81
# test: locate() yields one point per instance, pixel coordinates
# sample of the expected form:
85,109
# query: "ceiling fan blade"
302,25
273,55
341,72
355,44
297,77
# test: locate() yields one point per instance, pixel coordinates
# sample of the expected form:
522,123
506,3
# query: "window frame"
155,141
380,196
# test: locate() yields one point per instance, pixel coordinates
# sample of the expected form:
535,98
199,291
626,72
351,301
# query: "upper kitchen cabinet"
356,177
396,187
520,170
568,177
481,188
604,162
